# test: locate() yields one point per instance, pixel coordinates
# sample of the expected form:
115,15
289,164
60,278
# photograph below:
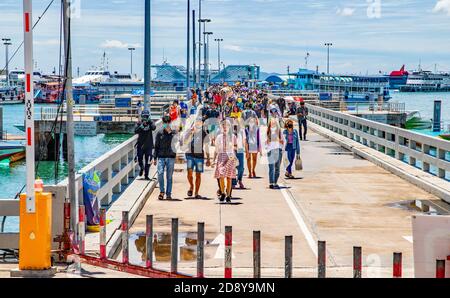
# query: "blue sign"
121,102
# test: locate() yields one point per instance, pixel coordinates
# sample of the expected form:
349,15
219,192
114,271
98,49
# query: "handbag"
298,164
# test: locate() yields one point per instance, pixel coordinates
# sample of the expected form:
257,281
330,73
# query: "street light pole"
131,51
7,43
204,21
199,77
207,76
147,58
188,49
219,40
328,45
194,50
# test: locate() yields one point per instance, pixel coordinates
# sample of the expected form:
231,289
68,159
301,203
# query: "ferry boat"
11,95
419,81
355,88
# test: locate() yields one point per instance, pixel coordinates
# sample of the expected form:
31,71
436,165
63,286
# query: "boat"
419,81
445,136
415,121
355,88
8,149
398,78
11,95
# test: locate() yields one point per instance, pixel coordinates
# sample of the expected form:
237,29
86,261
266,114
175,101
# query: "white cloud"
234,48
345,12
442,6
117,44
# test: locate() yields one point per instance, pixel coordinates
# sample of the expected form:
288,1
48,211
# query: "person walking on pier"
275,142
198,140
144,130
292,148
281,105
241,152
302,113
253,137
165,154
225,160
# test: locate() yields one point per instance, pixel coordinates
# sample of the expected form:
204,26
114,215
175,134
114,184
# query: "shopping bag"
298,164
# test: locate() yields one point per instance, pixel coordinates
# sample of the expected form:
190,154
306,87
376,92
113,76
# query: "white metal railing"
391,107
306,94
428,153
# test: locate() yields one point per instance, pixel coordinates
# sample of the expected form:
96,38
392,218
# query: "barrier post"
440,268
149,242
82,228
288,257
357,262
397,270
228,251
200,249
321,259
256,254
66,226
103,234
125,252
174,246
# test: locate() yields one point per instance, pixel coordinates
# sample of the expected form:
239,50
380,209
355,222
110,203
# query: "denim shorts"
195,164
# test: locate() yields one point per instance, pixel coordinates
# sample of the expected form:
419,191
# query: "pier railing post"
67,245
256,254
82,228
440,268
103,234
397,267
125,227
149,242
200,249
321,260
357,262
228,251
288,257
174,246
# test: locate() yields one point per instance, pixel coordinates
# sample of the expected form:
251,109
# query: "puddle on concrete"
187,247
416,206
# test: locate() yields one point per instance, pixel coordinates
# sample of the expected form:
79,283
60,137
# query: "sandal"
161,196
189,193
199,197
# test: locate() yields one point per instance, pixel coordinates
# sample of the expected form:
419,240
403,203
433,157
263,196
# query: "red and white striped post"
357,262
228,251
149,242
256,254
440,268
200,250
66,226
397,265
103,234
82,228
321,259
125,252
288,253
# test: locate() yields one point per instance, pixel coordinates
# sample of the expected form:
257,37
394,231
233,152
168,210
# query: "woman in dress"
225,160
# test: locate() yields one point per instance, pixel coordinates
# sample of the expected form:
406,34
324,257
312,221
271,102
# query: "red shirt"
218,99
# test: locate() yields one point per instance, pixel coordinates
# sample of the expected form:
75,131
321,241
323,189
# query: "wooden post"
149,242
397,270
228,251
256,254
82,228
103,233
174,247
321,259
357,262
125,228
440,268
200,249
288,257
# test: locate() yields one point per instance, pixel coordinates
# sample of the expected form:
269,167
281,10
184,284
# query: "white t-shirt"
225,144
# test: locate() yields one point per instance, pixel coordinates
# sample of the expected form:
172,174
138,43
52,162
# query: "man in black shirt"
198,141
144,130
302,113
282,105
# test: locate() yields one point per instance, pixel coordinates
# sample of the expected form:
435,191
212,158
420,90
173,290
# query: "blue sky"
270,33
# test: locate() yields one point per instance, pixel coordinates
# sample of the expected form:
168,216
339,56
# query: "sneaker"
141,173
287,175
147,178
169,197
222,197
276,186
228,199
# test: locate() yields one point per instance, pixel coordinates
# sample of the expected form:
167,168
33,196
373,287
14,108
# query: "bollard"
397,270
321,259
125,227
357,262
174,247
149,242
440,268
82,228
256,254
200,249
228,251
288,257
103,234
66,226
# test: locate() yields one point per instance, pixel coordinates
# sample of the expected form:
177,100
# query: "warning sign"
84,128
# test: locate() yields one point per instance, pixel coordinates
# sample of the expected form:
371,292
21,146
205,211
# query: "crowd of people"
241,125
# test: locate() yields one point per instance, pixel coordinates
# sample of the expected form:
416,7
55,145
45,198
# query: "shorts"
195,164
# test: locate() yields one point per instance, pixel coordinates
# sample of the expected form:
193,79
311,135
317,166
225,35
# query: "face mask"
290,126
165,125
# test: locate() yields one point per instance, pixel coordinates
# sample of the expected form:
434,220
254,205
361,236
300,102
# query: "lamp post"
131,51
219,40
328,45
7,43
204,21
188,50
207,78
